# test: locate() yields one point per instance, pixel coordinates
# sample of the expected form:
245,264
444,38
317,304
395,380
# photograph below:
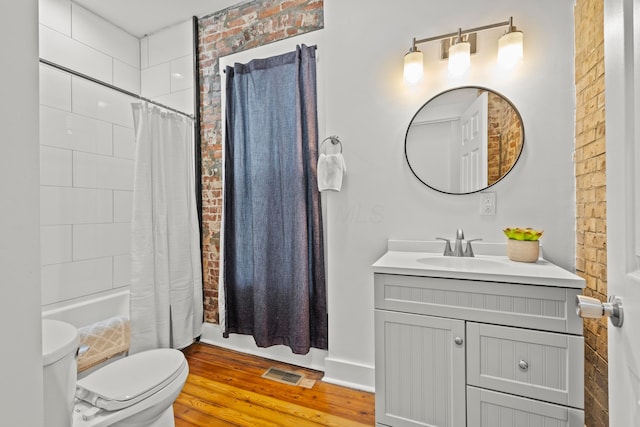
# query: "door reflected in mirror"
464,140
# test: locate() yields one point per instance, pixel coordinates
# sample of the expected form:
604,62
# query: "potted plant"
523,244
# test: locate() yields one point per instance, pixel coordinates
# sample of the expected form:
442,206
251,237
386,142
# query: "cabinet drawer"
548,308
487,408
540,365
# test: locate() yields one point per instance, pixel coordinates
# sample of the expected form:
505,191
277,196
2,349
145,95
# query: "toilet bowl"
137,390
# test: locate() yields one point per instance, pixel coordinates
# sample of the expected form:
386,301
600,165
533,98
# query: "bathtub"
87,314
89,310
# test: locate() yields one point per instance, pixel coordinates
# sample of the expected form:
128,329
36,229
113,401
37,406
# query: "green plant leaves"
522,233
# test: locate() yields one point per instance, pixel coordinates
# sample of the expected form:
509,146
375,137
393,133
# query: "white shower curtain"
166,284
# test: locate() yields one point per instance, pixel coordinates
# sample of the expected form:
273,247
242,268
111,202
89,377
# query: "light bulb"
413,68
459,58
510,50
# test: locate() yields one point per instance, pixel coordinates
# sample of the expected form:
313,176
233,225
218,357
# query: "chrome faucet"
457,251
458,247
447,246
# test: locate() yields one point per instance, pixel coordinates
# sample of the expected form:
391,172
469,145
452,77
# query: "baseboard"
349,374
212,334
336,371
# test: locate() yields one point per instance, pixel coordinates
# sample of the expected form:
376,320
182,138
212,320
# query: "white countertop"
489,264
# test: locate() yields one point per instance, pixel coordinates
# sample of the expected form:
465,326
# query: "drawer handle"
523,365
458,341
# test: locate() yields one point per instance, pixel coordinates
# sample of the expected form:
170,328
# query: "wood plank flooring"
225,388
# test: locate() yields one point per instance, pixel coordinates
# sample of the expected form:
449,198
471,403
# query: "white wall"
369,107
167,66
21,401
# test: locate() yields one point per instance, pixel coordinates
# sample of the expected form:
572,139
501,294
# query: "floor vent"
288,377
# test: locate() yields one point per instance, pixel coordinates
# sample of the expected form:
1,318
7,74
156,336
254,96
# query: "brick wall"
590,164
504,139
241,27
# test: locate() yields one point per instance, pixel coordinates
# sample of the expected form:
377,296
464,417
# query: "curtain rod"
110,86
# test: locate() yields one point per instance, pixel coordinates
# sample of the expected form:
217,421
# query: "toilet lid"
131,379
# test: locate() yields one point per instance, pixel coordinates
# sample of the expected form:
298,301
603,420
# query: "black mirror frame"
450,90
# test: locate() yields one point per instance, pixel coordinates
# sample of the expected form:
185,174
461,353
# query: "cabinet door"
492,409
540,365
420,370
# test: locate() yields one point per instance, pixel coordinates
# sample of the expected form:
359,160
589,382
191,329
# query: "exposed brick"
590,169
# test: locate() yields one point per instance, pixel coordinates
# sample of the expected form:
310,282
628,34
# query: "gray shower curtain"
274,282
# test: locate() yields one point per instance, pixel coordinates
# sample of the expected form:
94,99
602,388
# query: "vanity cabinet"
478,353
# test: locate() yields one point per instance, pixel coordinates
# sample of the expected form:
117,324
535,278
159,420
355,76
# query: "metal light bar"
466,31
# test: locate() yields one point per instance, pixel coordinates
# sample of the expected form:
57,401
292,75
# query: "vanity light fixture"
413,65
510,47
459,56
459,46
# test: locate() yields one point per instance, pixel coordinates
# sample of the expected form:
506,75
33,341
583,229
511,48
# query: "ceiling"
140,17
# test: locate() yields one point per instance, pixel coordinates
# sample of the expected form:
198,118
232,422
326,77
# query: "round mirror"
464,140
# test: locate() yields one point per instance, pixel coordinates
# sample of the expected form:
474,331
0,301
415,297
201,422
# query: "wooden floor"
225,388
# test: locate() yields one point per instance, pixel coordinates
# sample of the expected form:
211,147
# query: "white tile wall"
166,59
182,73
65,281
126,77
64,205
121,270
75,55
55,166
63,129
95,171
122,206
55,88
100,240
170,43
87,150
56,14
94,31
88,141
156,80
124,142
55,244
92,100
77,39
144,52
182,100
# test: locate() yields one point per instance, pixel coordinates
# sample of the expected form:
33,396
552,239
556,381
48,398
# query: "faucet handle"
447,248
468,252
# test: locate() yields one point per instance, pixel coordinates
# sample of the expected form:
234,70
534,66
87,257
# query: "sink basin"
460,263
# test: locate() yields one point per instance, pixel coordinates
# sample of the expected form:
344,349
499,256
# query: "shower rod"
110,86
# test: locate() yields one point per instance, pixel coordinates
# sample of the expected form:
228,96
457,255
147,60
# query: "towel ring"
334,141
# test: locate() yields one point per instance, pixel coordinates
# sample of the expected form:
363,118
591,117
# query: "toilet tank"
59,346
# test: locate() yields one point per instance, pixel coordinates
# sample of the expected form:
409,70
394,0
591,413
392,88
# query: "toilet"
138,390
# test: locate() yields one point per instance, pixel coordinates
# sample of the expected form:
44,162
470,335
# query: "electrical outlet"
488,203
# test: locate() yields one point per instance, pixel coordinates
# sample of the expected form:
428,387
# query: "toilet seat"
130,380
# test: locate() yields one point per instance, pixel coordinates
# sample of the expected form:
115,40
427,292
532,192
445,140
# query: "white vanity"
473,342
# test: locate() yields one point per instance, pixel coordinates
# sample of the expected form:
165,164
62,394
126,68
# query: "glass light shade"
510,50
413,68
459,58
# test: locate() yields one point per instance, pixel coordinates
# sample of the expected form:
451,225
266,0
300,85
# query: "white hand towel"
331,168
